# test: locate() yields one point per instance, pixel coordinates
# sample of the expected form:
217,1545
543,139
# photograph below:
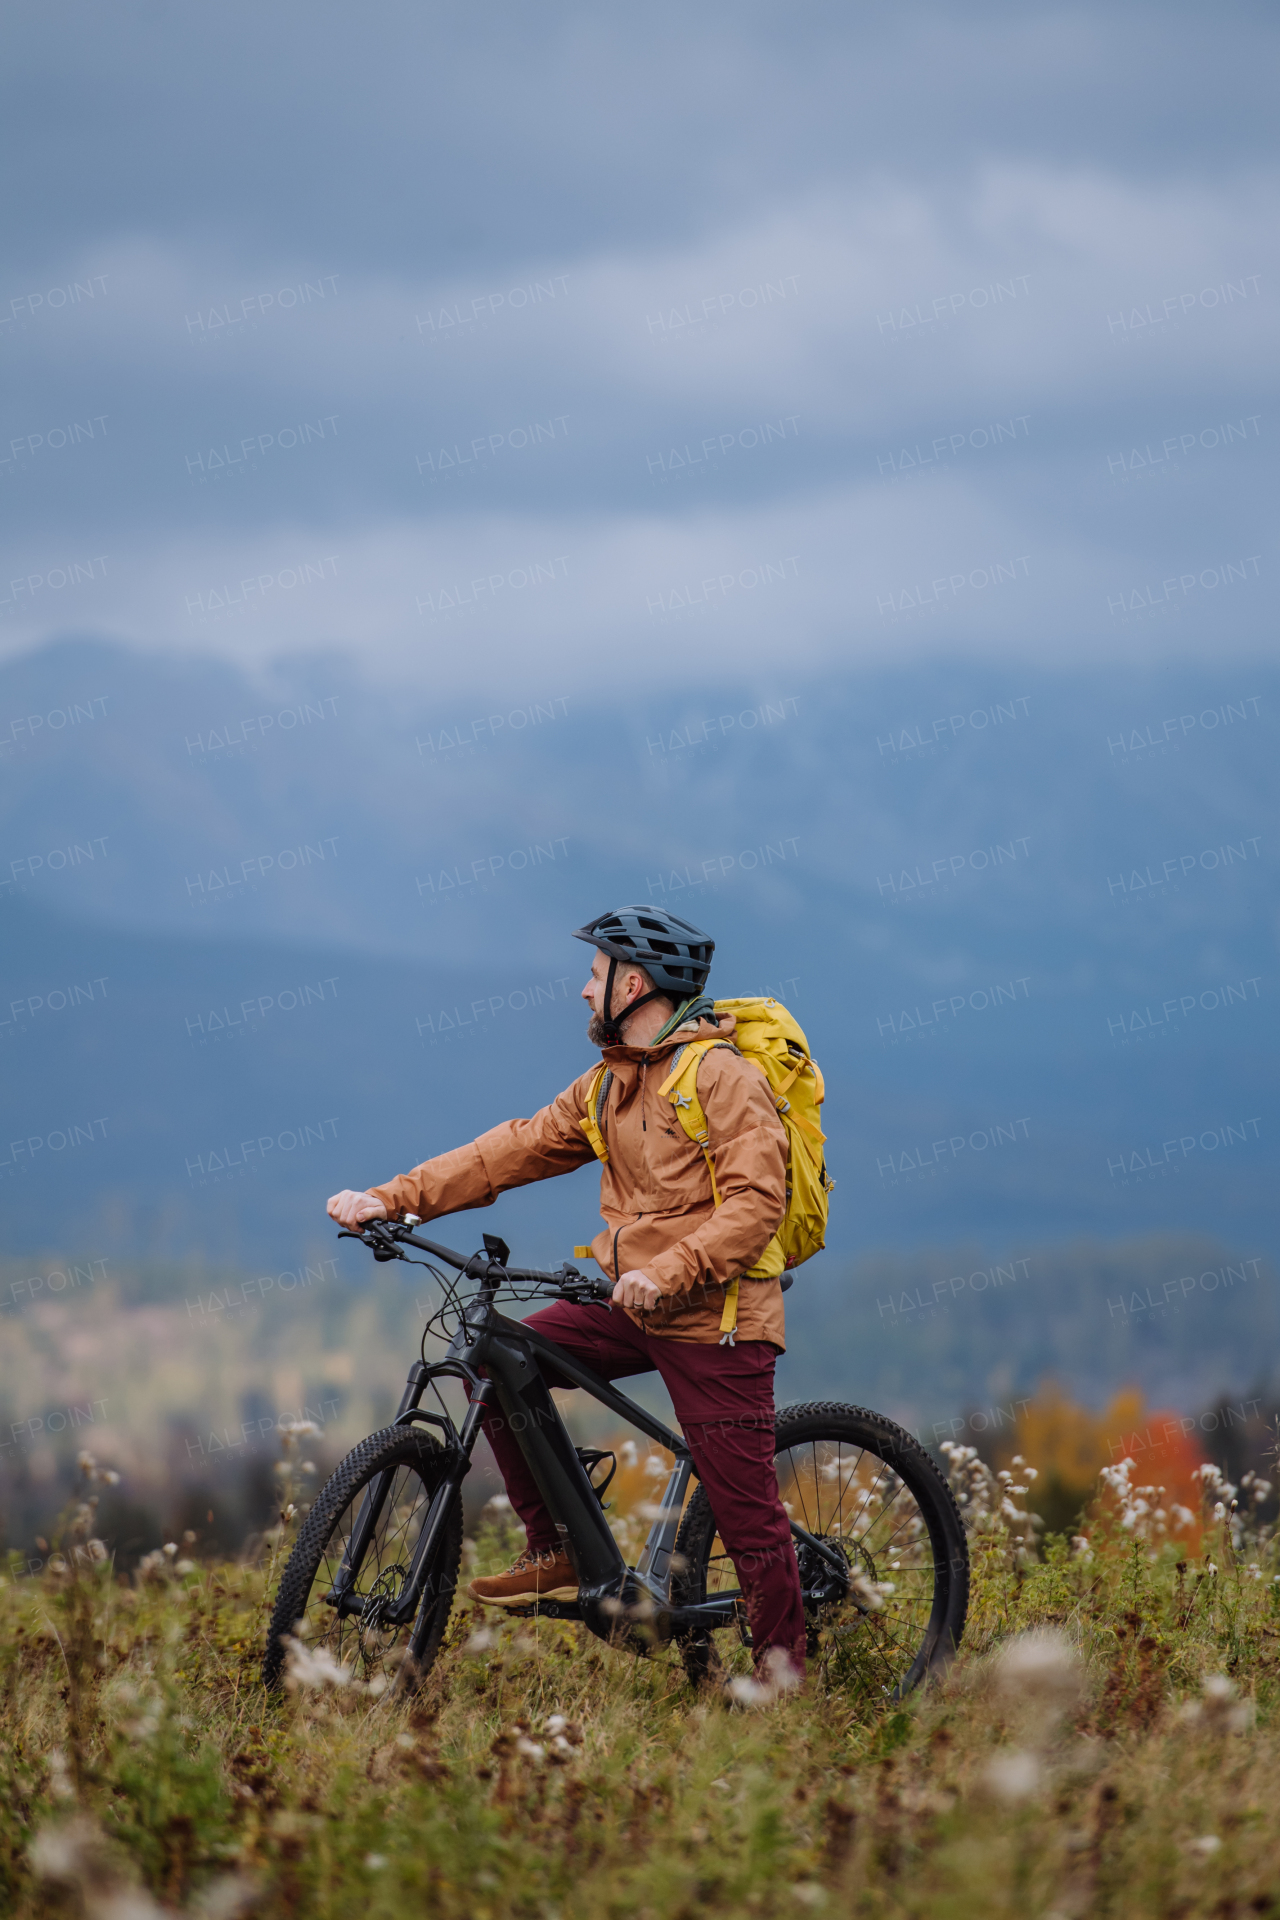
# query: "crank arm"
709,1615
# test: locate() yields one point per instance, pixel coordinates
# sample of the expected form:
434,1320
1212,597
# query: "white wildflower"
988,1500
868,1594
1219,1710
774,1677
147,1723
745,1692
1037,1678
1012,1774
1041,1665
312,1667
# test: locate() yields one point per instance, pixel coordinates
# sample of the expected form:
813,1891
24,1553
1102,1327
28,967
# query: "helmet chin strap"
613,1027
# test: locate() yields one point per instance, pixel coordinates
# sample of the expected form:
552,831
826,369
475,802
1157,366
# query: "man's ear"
643,985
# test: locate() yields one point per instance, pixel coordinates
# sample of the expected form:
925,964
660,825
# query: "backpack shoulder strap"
597,1094
681,1086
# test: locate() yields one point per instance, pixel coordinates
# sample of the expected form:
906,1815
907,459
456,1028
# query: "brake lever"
381,1245
581,1289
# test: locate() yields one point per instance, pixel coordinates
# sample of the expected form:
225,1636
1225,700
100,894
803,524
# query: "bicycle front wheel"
885,1603
397,1470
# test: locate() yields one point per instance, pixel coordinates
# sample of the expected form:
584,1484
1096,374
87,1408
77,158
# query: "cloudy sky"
677,342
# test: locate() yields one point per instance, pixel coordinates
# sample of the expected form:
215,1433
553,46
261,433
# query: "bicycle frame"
615,1602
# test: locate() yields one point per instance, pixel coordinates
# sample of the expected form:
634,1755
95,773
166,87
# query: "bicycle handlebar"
384,1237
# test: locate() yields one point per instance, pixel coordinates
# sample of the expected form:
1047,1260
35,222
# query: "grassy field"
1107,1742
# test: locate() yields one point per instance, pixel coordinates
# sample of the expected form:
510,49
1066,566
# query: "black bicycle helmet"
675,955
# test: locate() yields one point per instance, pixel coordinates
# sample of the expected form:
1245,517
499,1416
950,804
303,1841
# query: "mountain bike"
878,1538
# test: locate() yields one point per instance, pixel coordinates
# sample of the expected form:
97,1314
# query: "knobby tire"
884,1639
403,1658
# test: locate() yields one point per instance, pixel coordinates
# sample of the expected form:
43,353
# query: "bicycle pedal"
546,1610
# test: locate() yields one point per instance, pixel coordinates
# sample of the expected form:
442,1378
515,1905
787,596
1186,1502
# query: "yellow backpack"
772,1040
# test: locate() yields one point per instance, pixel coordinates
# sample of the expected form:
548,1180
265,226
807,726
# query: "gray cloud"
481,351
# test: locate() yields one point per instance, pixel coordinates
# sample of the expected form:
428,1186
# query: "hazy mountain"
1035,958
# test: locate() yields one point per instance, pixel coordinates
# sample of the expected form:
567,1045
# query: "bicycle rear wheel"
866,1489
401,1466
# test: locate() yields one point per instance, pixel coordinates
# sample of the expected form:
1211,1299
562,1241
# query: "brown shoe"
534,1576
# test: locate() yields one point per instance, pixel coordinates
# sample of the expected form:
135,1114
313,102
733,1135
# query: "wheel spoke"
373,1649
890,1516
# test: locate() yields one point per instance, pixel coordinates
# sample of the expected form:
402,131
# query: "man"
670,1250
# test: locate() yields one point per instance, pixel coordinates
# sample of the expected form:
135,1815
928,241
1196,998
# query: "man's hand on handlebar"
636,1289
351,1210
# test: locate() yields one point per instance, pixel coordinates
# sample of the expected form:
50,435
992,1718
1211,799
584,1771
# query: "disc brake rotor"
379,1600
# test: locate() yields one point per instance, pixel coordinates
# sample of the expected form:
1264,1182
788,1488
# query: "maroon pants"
723,1401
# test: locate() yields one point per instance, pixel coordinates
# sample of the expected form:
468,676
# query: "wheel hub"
380,1599
822,1584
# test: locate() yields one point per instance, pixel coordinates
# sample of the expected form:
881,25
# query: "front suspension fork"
458,1457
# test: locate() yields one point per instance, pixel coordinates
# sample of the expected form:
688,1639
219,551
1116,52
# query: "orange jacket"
655,1191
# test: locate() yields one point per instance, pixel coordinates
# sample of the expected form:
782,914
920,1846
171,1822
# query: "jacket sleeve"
511,1155
748,1145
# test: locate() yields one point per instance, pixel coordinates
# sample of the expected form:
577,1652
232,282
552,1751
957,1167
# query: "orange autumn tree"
1069,1445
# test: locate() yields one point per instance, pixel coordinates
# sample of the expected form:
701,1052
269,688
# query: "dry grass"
1073,1762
